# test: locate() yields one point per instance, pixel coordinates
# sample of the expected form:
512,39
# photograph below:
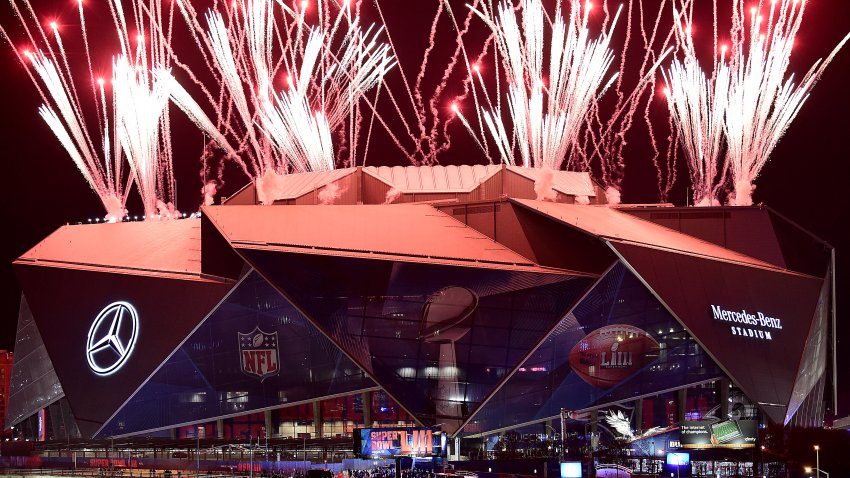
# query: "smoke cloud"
209,191
270,186
743,193
166,210
543,186
392,195
706,201
114,209
330,193
583,200
613,196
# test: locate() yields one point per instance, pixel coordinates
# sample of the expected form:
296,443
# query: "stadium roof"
572,183
609,224
420,179
401,232
465,178
295,185
146,247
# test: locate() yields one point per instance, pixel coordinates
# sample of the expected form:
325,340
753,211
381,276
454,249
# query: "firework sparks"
138,134
604,139
327,70
698,105
545,120
762,100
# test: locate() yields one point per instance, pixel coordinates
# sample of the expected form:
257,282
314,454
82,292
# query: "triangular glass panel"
619,343
255,351
438,338
33,384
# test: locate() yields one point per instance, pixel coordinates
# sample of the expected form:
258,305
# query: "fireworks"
545,120
138,134
698,106
327,69
557,73
761,103
291,86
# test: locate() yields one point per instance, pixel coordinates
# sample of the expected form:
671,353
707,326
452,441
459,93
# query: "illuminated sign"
571,469
718,434
678,459
111,338
380,442
744,324
258,353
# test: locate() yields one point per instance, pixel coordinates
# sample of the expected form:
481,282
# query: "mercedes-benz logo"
112,337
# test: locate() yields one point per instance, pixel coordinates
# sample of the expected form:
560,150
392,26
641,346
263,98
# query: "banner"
383,442
718,434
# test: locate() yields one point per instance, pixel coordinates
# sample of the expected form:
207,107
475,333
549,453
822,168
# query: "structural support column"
317,419
366,401
219,428
270,432
637,416
723,398
594,421
681,404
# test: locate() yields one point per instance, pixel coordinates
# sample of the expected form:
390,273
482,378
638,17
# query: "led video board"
718,434
409,441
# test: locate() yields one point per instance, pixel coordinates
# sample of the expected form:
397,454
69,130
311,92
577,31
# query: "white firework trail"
763,99
545,119
139,106
749,102
698,105
132,126
605,137
421,131
327,70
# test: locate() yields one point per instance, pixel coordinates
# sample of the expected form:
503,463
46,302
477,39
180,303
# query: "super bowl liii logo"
744,324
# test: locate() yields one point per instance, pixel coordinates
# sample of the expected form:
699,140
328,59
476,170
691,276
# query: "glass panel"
254,351
33,384
439,339
617,344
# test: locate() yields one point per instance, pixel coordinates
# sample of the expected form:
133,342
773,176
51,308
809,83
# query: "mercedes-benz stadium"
447,298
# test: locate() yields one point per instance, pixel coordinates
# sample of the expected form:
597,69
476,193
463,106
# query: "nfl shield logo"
258,353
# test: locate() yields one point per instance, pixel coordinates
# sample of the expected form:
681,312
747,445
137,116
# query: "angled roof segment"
171,248
296,185
433,179
401,232
573,183
614,226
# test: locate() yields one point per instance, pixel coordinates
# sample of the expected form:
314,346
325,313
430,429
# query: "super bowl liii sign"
744,324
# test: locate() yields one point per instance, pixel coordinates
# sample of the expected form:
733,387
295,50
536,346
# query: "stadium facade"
436,296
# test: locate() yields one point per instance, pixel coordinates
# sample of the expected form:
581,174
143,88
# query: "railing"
117,473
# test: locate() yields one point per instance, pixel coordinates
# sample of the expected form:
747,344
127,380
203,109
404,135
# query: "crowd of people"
387,472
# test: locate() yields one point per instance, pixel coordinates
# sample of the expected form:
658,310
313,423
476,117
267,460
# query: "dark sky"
806,179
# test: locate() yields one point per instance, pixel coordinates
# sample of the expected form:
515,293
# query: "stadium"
446,298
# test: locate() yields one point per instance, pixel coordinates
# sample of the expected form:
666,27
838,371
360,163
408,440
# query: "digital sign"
718,434
571,469
384,442
678,459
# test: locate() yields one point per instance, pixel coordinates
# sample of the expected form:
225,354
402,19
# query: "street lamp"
554,434
817,459
809,469
677,459
198,452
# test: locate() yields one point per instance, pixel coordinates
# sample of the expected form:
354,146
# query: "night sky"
807,178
